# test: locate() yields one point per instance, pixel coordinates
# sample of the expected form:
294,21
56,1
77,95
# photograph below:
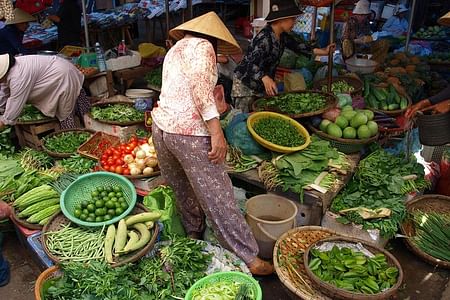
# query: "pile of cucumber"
386,99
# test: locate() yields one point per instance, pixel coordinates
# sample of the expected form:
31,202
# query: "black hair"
209,38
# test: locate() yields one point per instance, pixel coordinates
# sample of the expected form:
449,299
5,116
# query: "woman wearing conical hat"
255,74
11,35
189,140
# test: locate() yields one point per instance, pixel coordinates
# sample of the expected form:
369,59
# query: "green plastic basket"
226,276
81,190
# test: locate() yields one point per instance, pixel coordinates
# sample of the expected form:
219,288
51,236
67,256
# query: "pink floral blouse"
188,81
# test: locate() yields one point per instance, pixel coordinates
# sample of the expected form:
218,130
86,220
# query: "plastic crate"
35,244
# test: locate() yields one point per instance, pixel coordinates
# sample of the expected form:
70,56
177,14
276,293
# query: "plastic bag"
294,82
237,134
162,199
149,50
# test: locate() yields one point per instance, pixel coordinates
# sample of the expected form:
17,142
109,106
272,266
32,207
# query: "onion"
140,163
152,149
135,171
147,171
132,165
151,162
128,158
140,154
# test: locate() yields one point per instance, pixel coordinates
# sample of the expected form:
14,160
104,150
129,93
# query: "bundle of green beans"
279,132
433,234
239,161
76,244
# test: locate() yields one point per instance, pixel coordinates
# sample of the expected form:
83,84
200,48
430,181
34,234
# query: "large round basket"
82,187
346,146
258,105
254,117
23,222
63,155
356,83
288,261
104,104
57,221
234,277
425,203
337,293
50,273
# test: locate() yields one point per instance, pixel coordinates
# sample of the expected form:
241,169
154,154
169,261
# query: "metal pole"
330,55
86,31
313,24
411,18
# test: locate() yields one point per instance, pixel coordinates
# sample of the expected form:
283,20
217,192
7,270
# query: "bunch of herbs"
66,142
294,103
117,112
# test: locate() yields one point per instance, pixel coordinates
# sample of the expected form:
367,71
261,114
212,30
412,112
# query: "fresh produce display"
131,234
339,86
431,32
78,164
117,112
31,113
154,77
279,132
105,203
432,233
375,196
76,244
63,182
438,58
137,157
351,124
38,204
167,275
384,99
225,290
313,167
353,270
240,162
6,144
66,142
293,103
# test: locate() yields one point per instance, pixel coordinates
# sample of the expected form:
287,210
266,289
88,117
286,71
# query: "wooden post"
330,55
313,24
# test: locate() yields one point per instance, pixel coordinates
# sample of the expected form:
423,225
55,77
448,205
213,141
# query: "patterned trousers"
203,189
82,106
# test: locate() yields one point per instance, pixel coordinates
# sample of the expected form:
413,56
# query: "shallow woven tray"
356,83
63,155
393,113
425,203
337,293
56,221
50,273
23,222
93,142
48,120
291,246
331,102
115,122
155,173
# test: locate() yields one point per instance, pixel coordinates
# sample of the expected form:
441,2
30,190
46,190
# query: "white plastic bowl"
361,65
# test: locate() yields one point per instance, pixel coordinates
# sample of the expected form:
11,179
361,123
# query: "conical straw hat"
20,16
445,19
210,24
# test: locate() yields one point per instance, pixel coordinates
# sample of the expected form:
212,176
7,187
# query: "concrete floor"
422,281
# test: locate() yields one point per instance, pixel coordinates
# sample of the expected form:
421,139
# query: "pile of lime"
351,124
105,204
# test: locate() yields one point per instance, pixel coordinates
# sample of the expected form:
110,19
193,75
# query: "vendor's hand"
169,44
330,48
5,210
218,148
270,86
410,112
441,108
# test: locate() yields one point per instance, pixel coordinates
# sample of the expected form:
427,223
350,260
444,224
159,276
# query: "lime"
120,199
116,189
105,198
95,199
110,204
78,206
99,219
99,212
100,189
124,205
119,211
92,215
99,203
77,213
84,204
119,194
109,189
89,219
111,194
91,207
83,217
114,199
94,194
117,204
107,218
104,194
85,211
111,212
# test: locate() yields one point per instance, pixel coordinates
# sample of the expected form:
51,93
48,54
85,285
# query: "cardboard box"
124,62
123,132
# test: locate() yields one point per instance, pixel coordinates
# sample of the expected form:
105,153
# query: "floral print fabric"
203,189
188,81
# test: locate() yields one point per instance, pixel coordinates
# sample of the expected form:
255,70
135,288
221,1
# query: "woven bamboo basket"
356,83
57,220
103,104
50,273
57,154
346,146
155,173
93,143
337,293
23,222
331,102
425,203
288,259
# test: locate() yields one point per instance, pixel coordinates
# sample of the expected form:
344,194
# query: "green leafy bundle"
66,142
6,144
154,77
31,113
118,112
293,103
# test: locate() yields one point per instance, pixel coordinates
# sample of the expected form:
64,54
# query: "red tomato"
103,162
112,168
119,161
126,171
104,156
133,139
115,157
132,145
119,170
129,149
116,153
108,151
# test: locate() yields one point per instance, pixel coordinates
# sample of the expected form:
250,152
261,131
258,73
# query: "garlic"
147,171
135,171
151,162
140,154
140,163
128,158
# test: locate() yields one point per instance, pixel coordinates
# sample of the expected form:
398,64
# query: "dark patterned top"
354,29
263,56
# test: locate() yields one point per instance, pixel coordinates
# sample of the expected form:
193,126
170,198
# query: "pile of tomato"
112,158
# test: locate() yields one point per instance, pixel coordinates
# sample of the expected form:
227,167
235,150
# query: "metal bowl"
361,65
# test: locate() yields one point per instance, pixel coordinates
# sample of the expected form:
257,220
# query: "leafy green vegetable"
225,290
339,86
66,142
279,132
117,112
31,113
293,103
78,164
6,144
154,77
